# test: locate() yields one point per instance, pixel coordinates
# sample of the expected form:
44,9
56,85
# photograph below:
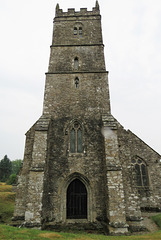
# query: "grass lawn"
12,233
7,199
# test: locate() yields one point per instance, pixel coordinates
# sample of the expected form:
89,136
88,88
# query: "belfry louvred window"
76,138
75,30
140,172
80,31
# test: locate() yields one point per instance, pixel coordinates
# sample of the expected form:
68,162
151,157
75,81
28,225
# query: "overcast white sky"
132,38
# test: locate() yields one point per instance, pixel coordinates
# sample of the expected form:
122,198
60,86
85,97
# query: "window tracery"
78,29
141,172
76,138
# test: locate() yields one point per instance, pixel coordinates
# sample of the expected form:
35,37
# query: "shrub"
12,179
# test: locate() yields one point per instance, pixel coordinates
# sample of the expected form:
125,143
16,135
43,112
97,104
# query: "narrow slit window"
76,82
76,63
75,30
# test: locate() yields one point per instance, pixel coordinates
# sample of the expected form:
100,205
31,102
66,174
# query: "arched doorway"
76,200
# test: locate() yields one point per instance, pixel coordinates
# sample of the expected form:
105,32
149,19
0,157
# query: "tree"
5,168
16,165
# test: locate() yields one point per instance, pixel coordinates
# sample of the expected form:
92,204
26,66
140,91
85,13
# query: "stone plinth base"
89,227
136,224
118,228
20,222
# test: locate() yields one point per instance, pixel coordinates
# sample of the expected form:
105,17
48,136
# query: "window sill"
76,154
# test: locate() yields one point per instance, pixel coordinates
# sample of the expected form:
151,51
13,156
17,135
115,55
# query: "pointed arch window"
76,139
141,172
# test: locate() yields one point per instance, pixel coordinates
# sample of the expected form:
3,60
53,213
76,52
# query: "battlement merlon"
71,11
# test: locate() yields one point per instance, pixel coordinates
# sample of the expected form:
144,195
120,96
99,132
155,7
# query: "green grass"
12,233
7,199
157,220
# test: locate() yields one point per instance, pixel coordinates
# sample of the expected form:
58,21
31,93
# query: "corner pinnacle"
97,5
57,7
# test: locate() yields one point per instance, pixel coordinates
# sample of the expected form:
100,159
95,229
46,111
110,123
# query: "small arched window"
75,30
76,138
80,31
76,63
76,82
141,172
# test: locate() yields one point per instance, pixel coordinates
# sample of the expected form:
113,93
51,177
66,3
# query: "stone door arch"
76,200
81,181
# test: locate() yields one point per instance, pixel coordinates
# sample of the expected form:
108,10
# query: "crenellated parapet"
83,11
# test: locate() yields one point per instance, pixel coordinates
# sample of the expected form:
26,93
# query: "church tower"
72,174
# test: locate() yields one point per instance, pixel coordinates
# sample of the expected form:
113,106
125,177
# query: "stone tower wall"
64,166
91,99
90,57
64,23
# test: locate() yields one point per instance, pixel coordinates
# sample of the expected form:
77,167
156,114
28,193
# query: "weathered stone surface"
77,97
